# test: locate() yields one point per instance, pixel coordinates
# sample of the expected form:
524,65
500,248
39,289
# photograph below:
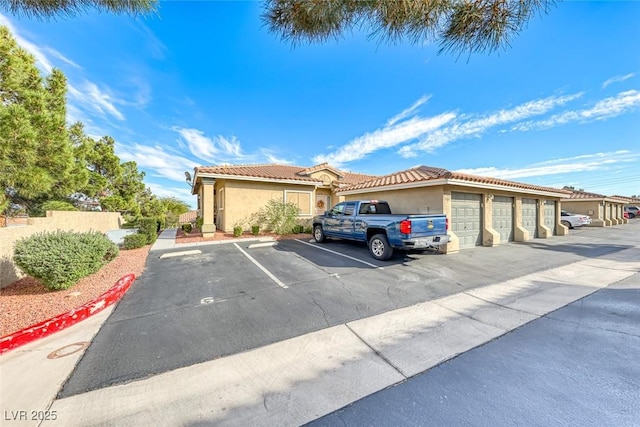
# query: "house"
229,195
481,210
603,210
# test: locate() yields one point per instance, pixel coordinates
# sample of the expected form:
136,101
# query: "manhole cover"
68,350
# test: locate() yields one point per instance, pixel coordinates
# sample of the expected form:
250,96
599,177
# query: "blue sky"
205,83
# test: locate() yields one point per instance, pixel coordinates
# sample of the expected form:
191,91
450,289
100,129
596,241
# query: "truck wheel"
379,247
318,234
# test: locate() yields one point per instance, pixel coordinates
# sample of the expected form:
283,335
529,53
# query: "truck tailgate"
423,225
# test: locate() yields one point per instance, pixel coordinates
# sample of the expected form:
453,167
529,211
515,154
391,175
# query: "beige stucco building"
229,195
603,210
481,211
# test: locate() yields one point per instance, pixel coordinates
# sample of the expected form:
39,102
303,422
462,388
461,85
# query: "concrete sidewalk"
166,240
298,380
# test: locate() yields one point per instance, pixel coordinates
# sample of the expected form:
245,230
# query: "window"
302,199
338,209
349,208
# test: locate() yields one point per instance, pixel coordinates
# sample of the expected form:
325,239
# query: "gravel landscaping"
26,301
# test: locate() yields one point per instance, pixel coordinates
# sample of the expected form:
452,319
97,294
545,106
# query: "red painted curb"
70,318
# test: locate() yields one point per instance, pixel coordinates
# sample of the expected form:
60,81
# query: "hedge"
135,241
61,258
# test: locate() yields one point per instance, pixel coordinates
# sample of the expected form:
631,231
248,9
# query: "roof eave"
462,183
256,178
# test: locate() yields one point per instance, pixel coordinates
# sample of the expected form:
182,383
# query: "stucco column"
561,230
208,200
615,219
490,237
520,234
544,232
454,243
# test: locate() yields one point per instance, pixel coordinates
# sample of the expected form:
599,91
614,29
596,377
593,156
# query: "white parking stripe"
261,267
343,255
183,253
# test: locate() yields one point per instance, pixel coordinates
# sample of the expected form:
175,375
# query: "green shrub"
57,205
148,227
279,216
129,225
135,241
237,231
161,224
187,228
255,230
308,229
61,258
199,222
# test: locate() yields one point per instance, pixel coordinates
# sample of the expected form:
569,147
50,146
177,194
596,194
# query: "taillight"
446,221
405,226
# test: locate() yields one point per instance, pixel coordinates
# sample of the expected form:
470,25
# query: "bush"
187,228
61,258
129,225
57,205
255,230
148,227
135,241
279,216
237,231
199,222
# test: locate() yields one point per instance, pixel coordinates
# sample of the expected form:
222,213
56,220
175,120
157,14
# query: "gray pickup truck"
371,221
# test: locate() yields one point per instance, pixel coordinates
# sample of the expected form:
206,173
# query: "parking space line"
343,255
183,253
261,267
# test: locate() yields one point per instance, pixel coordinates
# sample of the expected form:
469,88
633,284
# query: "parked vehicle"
371,221
632,211
571,220
625,215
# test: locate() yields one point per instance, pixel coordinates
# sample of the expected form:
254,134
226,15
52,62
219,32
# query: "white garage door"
550,216
530,217
502,220
466,218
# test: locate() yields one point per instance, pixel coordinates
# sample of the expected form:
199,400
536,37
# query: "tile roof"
585,195
426,173
188,217
279,172
629,200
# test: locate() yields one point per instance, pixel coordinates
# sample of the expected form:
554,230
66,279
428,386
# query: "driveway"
200,303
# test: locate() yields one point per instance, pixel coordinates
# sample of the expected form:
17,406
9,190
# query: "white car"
633,211
571,220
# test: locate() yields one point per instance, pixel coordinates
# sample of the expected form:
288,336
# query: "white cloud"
181,193
475,127
602,110
161,162
387,137
582,163
213,150
271,157
617,79
87,94
406,113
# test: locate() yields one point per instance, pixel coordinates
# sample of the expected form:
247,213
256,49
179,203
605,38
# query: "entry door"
530,216
502,220
550,216
466,218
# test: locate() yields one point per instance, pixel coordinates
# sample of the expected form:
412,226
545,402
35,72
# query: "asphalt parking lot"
201,303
